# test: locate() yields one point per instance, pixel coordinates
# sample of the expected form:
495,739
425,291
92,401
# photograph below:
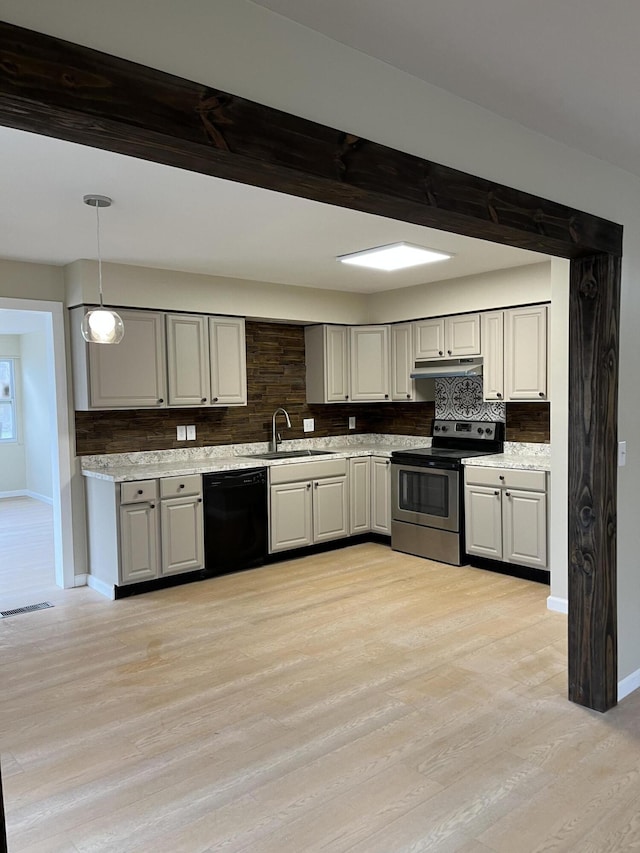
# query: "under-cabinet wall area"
275,377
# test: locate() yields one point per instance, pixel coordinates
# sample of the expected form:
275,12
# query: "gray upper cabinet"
327,364
227,361
447,337
128,375
369,363
525,354
187,359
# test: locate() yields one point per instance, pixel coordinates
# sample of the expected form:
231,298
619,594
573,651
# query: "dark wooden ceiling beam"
91,98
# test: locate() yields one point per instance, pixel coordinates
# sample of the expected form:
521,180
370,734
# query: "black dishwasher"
235,520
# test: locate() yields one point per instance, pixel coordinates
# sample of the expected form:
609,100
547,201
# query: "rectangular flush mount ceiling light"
396,256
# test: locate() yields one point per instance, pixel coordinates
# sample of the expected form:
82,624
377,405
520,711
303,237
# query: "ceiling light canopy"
395,256
101,325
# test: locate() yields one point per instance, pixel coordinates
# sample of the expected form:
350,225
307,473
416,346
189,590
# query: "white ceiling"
173,219
567,69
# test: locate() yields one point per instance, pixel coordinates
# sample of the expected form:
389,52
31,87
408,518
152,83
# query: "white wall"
244,49
37,389
13,471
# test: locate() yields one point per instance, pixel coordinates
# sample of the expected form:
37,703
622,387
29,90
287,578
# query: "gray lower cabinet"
506,515
359,495
308,503
381,495
143,530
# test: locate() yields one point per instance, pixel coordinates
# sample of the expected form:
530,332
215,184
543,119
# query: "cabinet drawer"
175,487
316,470
510,478
138,491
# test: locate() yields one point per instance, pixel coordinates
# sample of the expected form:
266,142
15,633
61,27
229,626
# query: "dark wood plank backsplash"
275,377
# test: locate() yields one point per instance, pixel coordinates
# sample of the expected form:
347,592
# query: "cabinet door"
483,520
336,364
290,517
138,542
330,509
182,536
402,359
493,355
524,520
525,357
359,495
462,335
228,365
130,374
369,363
381,495
429,338
187,360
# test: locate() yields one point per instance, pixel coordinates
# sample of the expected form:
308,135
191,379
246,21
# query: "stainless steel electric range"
427,489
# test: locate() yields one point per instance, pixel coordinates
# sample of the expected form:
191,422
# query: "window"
8,429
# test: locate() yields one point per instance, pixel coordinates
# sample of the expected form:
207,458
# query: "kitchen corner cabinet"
369,363
129,375
206,360
381,495
506,515
447,337
143,530
308,503
327,364
525,353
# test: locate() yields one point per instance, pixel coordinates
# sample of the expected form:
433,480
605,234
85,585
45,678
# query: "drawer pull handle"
141,491
181,486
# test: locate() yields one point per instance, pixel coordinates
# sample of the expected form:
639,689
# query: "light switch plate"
181,433
191,432
622,454
352,422
308,424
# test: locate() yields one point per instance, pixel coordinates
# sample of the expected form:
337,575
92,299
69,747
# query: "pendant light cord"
99,254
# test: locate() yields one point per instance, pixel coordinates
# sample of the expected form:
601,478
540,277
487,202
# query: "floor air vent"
28,609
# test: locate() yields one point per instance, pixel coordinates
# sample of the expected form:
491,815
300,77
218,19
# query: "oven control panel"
465,430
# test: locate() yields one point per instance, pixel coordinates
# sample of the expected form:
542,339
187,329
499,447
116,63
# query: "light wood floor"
359,700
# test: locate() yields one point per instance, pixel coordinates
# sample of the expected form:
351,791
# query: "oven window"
424,492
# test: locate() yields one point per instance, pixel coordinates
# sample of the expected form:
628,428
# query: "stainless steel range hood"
446,368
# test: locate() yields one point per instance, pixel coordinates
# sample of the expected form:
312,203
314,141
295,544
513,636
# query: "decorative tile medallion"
460,398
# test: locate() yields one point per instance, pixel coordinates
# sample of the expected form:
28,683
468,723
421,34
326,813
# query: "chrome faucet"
275,436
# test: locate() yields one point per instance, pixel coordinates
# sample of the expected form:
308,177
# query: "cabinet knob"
141,491
449,352
501,476
214,399
496,492
161,400
386,396
440,352
346,396
508,494
199,500
540,393
408,396
499,396
153,506
388,462
315,485
308,485
203,400
181,486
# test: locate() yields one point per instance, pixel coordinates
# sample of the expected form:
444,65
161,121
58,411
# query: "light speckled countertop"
125,467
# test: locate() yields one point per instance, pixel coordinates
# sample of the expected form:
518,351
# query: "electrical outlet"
308,424
352,422
191,432
181,433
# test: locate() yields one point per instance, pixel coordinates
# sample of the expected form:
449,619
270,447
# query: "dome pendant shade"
101,325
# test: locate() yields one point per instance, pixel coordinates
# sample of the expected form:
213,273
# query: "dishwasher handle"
234,479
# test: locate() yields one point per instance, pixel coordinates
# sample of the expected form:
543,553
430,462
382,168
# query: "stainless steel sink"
289,454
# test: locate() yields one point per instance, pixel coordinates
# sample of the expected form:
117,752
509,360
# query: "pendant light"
101,325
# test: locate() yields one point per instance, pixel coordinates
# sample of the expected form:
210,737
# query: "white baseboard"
628,684
80,580
100,586
560,605
18,493
37,497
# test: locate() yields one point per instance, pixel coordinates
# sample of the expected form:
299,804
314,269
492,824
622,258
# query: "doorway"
44,433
